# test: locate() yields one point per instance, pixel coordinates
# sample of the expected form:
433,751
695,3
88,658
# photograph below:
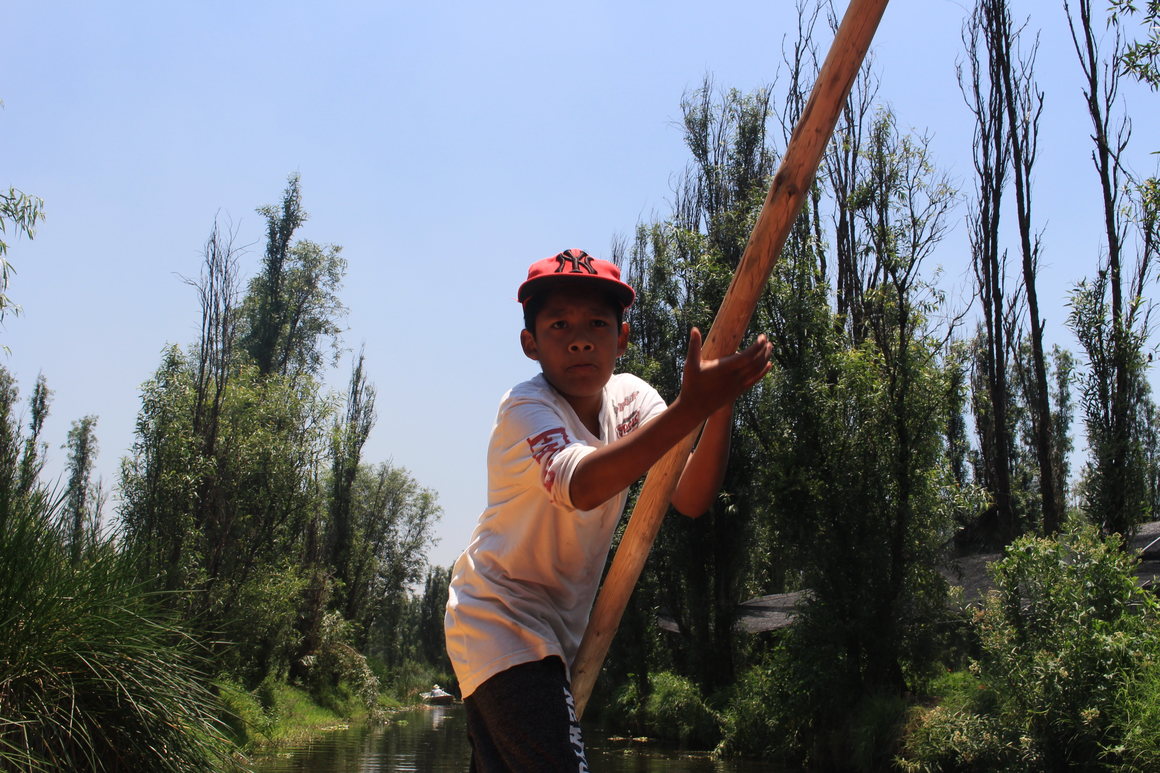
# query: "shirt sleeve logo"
629,424
544,448
632,420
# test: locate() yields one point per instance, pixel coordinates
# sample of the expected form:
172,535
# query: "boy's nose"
580,345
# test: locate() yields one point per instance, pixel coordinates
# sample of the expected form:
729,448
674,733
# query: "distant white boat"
437,696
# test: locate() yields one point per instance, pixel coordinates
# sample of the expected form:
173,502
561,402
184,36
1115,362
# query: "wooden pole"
783,202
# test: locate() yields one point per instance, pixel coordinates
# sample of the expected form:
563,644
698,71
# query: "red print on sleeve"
630,422
545,446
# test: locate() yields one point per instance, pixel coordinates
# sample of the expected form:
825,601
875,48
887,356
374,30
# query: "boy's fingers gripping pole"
782,204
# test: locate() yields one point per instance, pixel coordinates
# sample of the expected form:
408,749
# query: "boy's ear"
528,343
622,339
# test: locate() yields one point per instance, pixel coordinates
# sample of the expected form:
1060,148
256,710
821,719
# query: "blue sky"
445,146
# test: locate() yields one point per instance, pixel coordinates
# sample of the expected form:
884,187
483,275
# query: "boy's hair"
535,304
567,268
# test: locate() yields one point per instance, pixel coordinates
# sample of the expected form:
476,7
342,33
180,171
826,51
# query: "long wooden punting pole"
784,201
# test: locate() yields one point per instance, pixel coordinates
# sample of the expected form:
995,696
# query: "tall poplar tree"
82,502
982,86
1110,310
292,306
681,268
226,471
1023,102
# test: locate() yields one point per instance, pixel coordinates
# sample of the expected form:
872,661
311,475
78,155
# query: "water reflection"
434,740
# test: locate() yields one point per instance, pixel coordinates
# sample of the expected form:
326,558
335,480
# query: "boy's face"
577,340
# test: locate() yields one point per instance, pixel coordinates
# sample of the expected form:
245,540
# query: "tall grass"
94,676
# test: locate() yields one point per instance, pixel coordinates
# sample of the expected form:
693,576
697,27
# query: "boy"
566,446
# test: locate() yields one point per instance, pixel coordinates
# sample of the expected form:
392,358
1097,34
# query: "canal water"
434,740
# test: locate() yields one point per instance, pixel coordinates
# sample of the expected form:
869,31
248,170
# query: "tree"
32,460
1024,105
1110,312
1001,92
346,454
292,305
1140,57
158,490
432,609
681,269
217,296
856,493
841,172
245,487
905,215
20,458
984,92
82,499
226,472
329,558
394,518
22,212
854,471
1062,413
267,312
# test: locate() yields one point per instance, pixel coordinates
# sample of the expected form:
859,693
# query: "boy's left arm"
704,471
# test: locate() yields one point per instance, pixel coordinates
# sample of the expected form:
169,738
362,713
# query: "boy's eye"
599,323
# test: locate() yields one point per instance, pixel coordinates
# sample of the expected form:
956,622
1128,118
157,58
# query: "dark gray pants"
523,720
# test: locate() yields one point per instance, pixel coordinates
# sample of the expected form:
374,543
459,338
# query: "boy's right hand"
707,387
712,384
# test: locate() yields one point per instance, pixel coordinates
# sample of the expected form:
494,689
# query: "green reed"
94,674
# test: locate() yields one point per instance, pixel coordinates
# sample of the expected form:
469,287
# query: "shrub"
788,710
758,720
676,711
338,675
1066,673
672,709
875,725
942,738
628,706
1065,633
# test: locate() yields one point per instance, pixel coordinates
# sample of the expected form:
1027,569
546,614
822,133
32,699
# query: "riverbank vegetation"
259,576
901,431
95,671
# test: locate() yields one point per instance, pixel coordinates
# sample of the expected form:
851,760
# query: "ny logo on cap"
580,261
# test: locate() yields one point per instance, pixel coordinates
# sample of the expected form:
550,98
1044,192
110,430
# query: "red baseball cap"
575,265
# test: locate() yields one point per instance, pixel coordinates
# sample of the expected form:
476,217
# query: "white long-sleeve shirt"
524,587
